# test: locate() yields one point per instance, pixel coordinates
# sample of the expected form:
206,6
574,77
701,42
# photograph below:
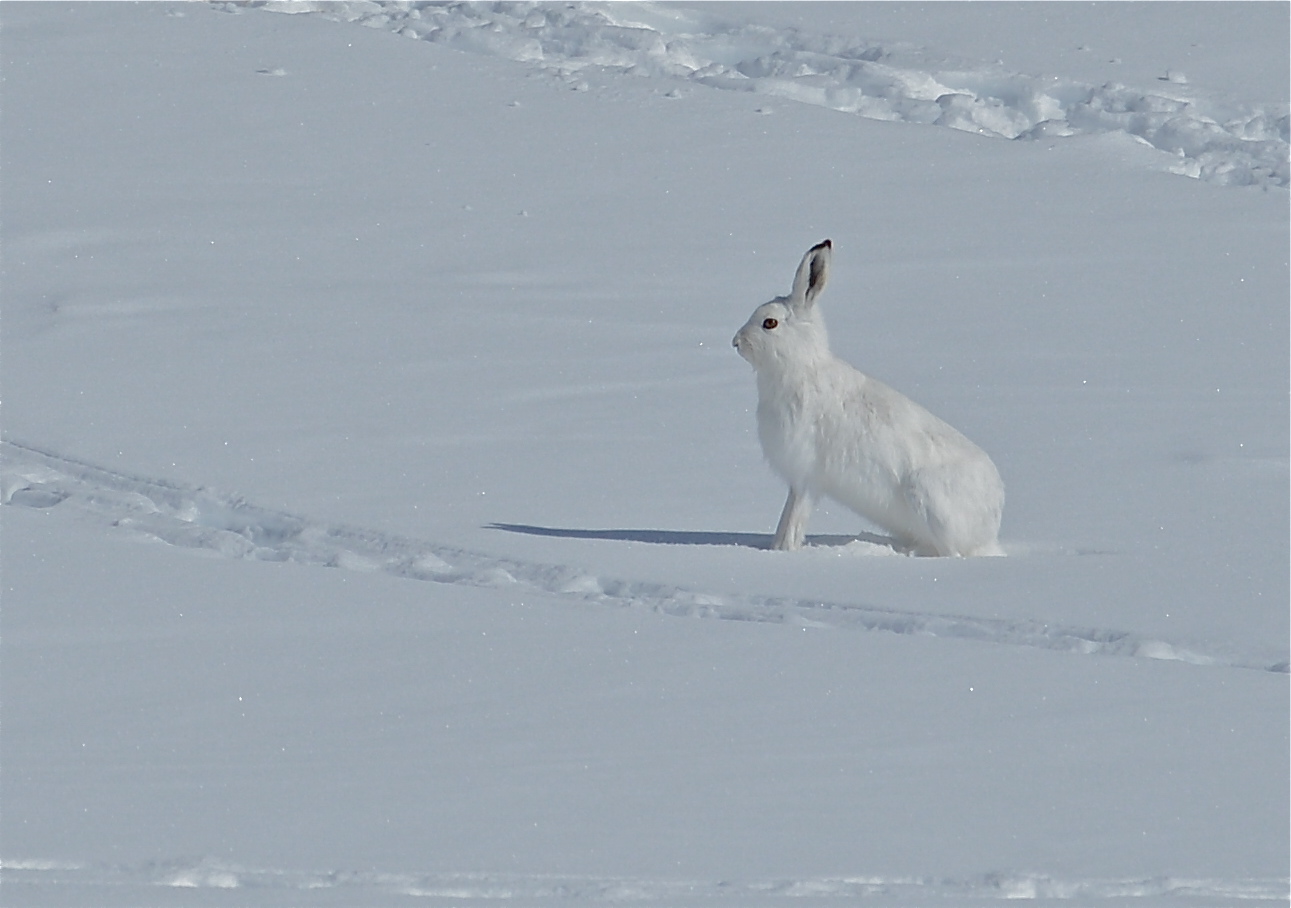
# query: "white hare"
827,429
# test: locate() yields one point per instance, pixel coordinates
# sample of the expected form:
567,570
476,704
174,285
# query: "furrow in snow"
1222,142
230,526
555,888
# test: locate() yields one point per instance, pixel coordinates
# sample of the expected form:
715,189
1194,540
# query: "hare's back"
872,414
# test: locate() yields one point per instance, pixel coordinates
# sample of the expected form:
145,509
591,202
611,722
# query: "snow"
451,317
1213,137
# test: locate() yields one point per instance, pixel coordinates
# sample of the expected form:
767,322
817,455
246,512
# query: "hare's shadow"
682,537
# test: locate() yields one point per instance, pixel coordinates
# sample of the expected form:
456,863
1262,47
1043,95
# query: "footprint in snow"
227,526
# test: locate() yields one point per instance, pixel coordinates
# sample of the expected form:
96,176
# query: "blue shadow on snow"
681,537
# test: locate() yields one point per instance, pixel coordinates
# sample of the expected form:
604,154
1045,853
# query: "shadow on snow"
683,537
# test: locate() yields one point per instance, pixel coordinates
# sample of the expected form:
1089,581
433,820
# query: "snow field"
355,742
293,294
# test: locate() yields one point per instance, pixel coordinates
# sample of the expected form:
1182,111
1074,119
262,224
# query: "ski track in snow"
199,518
437,888
1220,141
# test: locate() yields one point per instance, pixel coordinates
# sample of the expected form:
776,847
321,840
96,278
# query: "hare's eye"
769,323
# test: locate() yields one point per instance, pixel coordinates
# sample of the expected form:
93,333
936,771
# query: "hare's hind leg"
792,530
959,508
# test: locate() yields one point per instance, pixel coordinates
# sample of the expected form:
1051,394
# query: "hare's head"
789,330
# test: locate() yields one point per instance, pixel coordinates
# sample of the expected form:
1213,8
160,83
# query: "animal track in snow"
1221,142
228,525
367,886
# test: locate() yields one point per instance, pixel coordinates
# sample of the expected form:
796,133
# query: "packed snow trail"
454,888
1220,141
200,518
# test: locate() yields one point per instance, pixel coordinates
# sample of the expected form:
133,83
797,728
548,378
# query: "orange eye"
769,323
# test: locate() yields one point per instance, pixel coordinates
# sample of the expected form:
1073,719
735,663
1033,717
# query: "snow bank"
1223,142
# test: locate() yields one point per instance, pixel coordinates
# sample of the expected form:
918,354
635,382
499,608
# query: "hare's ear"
811,276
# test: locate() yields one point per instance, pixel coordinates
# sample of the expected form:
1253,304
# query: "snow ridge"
557,889
1209,139
234,528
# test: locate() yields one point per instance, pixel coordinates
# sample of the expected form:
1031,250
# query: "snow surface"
452,316
1214,136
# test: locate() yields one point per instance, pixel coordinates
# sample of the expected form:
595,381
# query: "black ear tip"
825,244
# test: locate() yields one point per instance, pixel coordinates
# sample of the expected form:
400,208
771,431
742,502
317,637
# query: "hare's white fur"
830,430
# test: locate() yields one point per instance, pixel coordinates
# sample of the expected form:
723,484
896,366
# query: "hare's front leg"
791,532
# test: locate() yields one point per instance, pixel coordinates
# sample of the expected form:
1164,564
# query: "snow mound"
1218,141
